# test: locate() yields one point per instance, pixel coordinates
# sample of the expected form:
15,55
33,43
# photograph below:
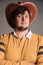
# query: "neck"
21,34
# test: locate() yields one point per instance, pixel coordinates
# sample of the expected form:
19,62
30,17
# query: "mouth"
23,23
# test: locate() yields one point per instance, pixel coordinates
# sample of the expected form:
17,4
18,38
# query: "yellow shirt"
14,51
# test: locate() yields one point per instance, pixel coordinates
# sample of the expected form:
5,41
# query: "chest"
21,49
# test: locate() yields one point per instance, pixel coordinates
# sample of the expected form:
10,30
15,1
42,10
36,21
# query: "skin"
22,26
23,20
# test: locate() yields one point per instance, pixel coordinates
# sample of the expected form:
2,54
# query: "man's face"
22,21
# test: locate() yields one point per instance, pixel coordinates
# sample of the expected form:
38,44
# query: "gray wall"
36,27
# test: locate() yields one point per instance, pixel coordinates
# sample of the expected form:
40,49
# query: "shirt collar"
28,35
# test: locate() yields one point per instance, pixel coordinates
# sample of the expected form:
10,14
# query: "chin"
22,28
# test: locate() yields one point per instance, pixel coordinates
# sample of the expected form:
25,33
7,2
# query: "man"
21,47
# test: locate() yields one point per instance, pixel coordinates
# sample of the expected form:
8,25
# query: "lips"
23,23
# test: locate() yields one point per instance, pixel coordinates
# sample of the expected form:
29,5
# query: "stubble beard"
22,28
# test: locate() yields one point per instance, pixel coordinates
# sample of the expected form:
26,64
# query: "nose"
23,18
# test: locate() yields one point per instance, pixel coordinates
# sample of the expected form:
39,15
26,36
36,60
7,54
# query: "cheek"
28,20
18,22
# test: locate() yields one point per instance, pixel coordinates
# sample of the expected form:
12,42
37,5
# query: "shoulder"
35,34
4,38
39,37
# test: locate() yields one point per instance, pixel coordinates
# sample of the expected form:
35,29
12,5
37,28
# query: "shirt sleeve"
40,52
3,61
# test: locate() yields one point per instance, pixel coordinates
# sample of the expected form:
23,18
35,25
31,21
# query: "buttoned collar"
28,35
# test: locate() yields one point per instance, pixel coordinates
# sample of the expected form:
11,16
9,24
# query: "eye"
19,16
26,16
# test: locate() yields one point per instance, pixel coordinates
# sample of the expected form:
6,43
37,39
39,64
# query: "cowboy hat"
13,6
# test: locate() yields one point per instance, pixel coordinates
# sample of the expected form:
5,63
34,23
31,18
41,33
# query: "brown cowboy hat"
12,6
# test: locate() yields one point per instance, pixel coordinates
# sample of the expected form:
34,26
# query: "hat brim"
12,6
